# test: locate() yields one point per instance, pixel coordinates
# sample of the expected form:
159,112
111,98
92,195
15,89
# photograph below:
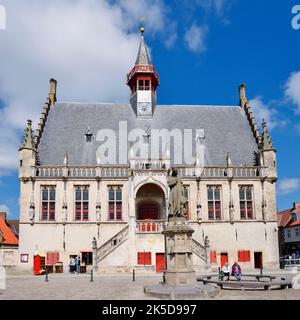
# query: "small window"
24,258
89,135
144,84
294,217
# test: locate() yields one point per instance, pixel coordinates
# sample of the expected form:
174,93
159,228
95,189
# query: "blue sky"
202,49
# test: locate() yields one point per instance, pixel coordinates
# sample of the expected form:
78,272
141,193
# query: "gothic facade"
90,184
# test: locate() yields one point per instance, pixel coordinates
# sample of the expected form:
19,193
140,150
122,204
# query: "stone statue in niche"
31,212
94,243
206,242
98,213
199,212
64,213
177,200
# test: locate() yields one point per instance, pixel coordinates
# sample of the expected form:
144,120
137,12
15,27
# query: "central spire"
143,56
143,81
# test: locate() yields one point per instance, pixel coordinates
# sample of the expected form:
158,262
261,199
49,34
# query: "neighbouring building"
289,232
9,242
90,185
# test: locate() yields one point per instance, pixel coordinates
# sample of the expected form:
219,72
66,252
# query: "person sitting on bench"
226,270
236,271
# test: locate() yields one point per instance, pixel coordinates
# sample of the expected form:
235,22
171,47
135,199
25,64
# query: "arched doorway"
150,208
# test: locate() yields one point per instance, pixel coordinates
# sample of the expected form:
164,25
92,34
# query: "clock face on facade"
144,108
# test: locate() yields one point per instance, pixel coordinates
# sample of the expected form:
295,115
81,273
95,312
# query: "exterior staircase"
200,251
113,243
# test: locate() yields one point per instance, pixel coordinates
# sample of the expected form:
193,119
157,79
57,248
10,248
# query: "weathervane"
142,29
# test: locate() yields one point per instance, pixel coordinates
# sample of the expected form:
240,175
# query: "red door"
224,258
160,262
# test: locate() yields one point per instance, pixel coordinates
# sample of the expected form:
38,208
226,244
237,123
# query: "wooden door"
224,258
160,262
258,260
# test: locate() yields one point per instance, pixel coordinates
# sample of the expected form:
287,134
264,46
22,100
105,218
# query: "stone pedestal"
180,280
179,255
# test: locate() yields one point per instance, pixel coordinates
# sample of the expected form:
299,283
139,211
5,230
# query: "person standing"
72,265
77,263
236,271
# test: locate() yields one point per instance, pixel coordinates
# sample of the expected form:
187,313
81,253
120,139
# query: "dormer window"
294,217
89,135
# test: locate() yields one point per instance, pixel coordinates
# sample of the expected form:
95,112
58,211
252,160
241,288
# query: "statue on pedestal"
177,199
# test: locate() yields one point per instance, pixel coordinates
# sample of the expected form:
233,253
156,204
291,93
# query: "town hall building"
93,181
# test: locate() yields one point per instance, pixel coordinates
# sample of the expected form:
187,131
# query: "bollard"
133,275
46,278
92,275
261,271
219,270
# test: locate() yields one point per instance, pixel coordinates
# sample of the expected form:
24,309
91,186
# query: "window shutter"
241,256
49,258
139,258
247,256
55,258
244,256
213,257
147,258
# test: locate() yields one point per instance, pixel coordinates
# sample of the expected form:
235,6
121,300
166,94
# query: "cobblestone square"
109,287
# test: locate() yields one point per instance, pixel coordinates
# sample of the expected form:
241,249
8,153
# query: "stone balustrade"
139,165
150,226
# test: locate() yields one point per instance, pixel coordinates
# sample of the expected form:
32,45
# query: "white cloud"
195,37
292,89
288,186
4,208
85,45
265,111
217,6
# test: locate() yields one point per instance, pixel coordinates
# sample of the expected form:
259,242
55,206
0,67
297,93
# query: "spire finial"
142,29
66,159
243,97
28,142
266,143
52,91
228,160
143,56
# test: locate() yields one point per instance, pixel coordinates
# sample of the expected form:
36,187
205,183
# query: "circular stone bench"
248,282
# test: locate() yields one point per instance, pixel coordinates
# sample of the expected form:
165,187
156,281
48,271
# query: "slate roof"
226,130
